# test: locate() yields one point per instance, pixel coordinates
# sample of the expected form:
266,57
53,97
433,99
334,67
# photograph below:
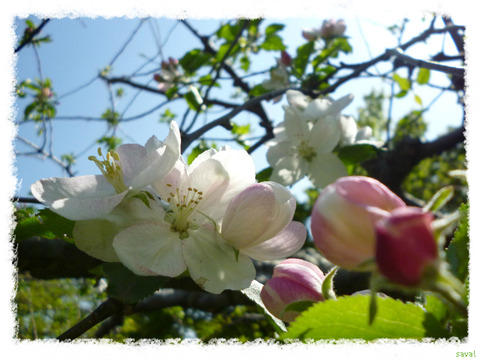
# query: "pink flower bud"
405,245
293,280
285,58
157,78
344,216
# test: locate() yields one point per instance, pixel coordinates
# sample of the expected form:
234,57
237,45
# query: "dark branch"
28,39
104,311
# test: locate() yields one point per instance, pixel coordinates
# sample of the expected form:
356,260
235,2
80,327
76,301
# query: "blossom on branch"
304,141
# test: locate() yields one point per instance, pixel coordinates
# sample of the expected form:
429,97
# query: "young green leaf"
347,318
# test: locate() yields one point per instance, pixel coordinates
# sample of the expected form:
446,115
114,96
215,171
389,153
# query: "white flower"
304,141
126,171
185,235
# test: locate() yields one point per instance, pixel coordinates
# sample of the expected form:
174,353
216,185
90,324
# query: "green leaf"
301,60
458,249
423,76
273,43
128,287
193,60
418,99
264,175
46,224
298,306
440,198
436,307
402,82
272,29
193,99
327,284
257,90
347,318
357,153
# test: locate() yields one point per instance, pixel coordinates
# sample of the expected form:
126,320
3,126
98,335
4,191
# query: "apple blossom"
127,171
344,217
210,206
406,246
293,281
304,141
169,74
185,235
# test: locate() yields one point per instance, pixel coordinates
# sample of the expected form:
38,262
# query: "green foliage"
167,116
412,125
347,318
111,117
458,249
43,105
300,62
110,142
194,60
372,114
45,223
128,287
47,308
432,174
423,76
357,153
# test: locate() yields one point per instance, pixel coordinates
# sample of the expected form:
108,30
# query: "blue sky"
81,47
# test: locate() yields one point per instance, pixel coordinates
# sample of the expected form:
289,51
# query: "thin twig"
29,38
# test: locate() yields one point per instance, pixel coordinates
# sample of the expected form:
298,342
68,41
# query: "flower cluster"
304,141
169,75
162,217
329,30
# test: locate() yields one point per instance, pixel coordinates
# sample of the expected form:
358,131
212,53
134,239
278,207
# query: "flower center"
305,150
182,206
111,168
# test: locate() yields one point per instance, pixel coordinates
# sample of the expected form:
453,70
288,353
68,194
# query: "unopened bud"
295,285
406,246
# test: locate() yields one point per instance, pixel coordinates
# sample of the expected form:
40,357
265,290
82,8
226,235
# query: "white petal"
157,162
212,263
95,237
325,134
78,198
317,109
348,129
289,170
297,99
285,244
325,169
240,168
150,248
295,126
278,151
175,178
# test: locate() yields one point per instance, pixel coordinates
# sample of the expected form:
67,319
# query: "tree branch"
30,37
105,310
